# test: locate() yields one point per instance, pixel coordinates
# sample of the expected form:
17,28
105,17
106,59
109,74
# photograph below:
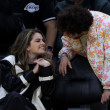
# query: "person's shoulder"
98,14
10,59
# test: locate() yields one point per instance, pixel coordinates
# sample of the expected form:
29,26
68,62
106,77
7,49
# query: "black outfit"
13,85
15,101
34,12
16,15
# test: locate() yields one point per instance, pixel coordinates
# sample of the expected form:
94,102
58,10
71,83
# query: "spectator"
97,5
86,33
32,14
25,73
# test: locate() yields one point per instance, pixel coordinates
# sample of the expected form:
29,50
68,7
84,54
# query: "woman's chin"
43,53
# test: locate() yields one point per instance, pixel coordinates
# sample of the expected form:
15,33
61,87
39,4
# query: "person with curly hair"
96,5
86,33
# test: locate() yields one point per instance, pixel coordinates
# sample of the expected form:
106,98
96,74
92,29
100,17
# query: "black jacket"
12,83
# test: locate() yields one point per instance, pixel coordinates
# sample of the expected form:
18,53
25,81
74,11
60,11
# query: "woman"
26,74
86,33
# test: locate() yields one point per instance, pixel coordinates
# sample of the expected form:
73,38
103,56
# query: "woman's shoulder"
10,59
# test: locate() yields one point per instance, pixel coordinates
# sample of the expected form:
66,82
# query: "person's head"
74,21
30,42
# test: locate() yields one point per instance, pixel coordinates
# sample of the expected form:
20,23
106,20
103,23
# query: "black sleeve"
47,87
61,5
11,82
102,6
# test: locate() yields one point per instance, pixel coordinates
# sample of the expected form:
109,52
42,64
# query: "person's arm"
47,82
65,55
48,18
47,86
46,75
51,32
106,74
14,83
67,48
102,6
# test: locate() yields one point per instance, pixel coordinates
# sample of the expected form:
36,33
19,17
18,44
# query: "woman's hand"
63,65
105,96
36,69
42,62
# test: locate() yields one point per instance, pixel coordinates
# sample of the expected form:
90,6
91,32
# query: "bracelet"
63,55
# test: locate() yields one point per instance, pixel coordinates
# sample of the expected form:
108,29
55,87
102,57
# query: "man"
97,5
91,40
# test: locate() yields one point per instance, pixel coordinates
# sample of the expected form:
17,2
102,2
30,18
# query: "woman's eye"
37,40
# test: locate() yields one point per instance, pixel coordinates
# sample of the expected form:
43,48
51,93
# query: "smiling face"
37,45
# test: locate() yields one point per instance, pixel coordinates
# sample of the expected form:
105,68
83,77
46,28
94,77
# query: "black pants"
15,101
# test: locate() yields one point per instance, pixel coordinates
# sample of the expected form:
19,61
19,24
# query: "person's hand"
105,96
36,69
49,54
42,62
64,62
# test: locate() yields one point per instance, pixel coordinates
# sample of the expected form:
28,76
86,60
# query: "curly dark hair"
74,19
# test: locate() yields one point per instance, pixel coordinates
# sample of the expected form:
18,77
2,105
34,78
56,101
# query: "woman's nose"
43,42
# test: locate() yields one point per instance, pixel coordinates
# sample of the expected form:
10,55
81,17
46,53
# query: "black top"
35,12
16,15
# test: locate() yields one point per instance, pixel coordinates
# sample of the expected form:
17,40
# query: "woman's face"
37,45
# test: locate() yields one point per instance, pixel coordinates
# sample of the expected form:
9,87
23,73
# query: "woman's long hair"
19,48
